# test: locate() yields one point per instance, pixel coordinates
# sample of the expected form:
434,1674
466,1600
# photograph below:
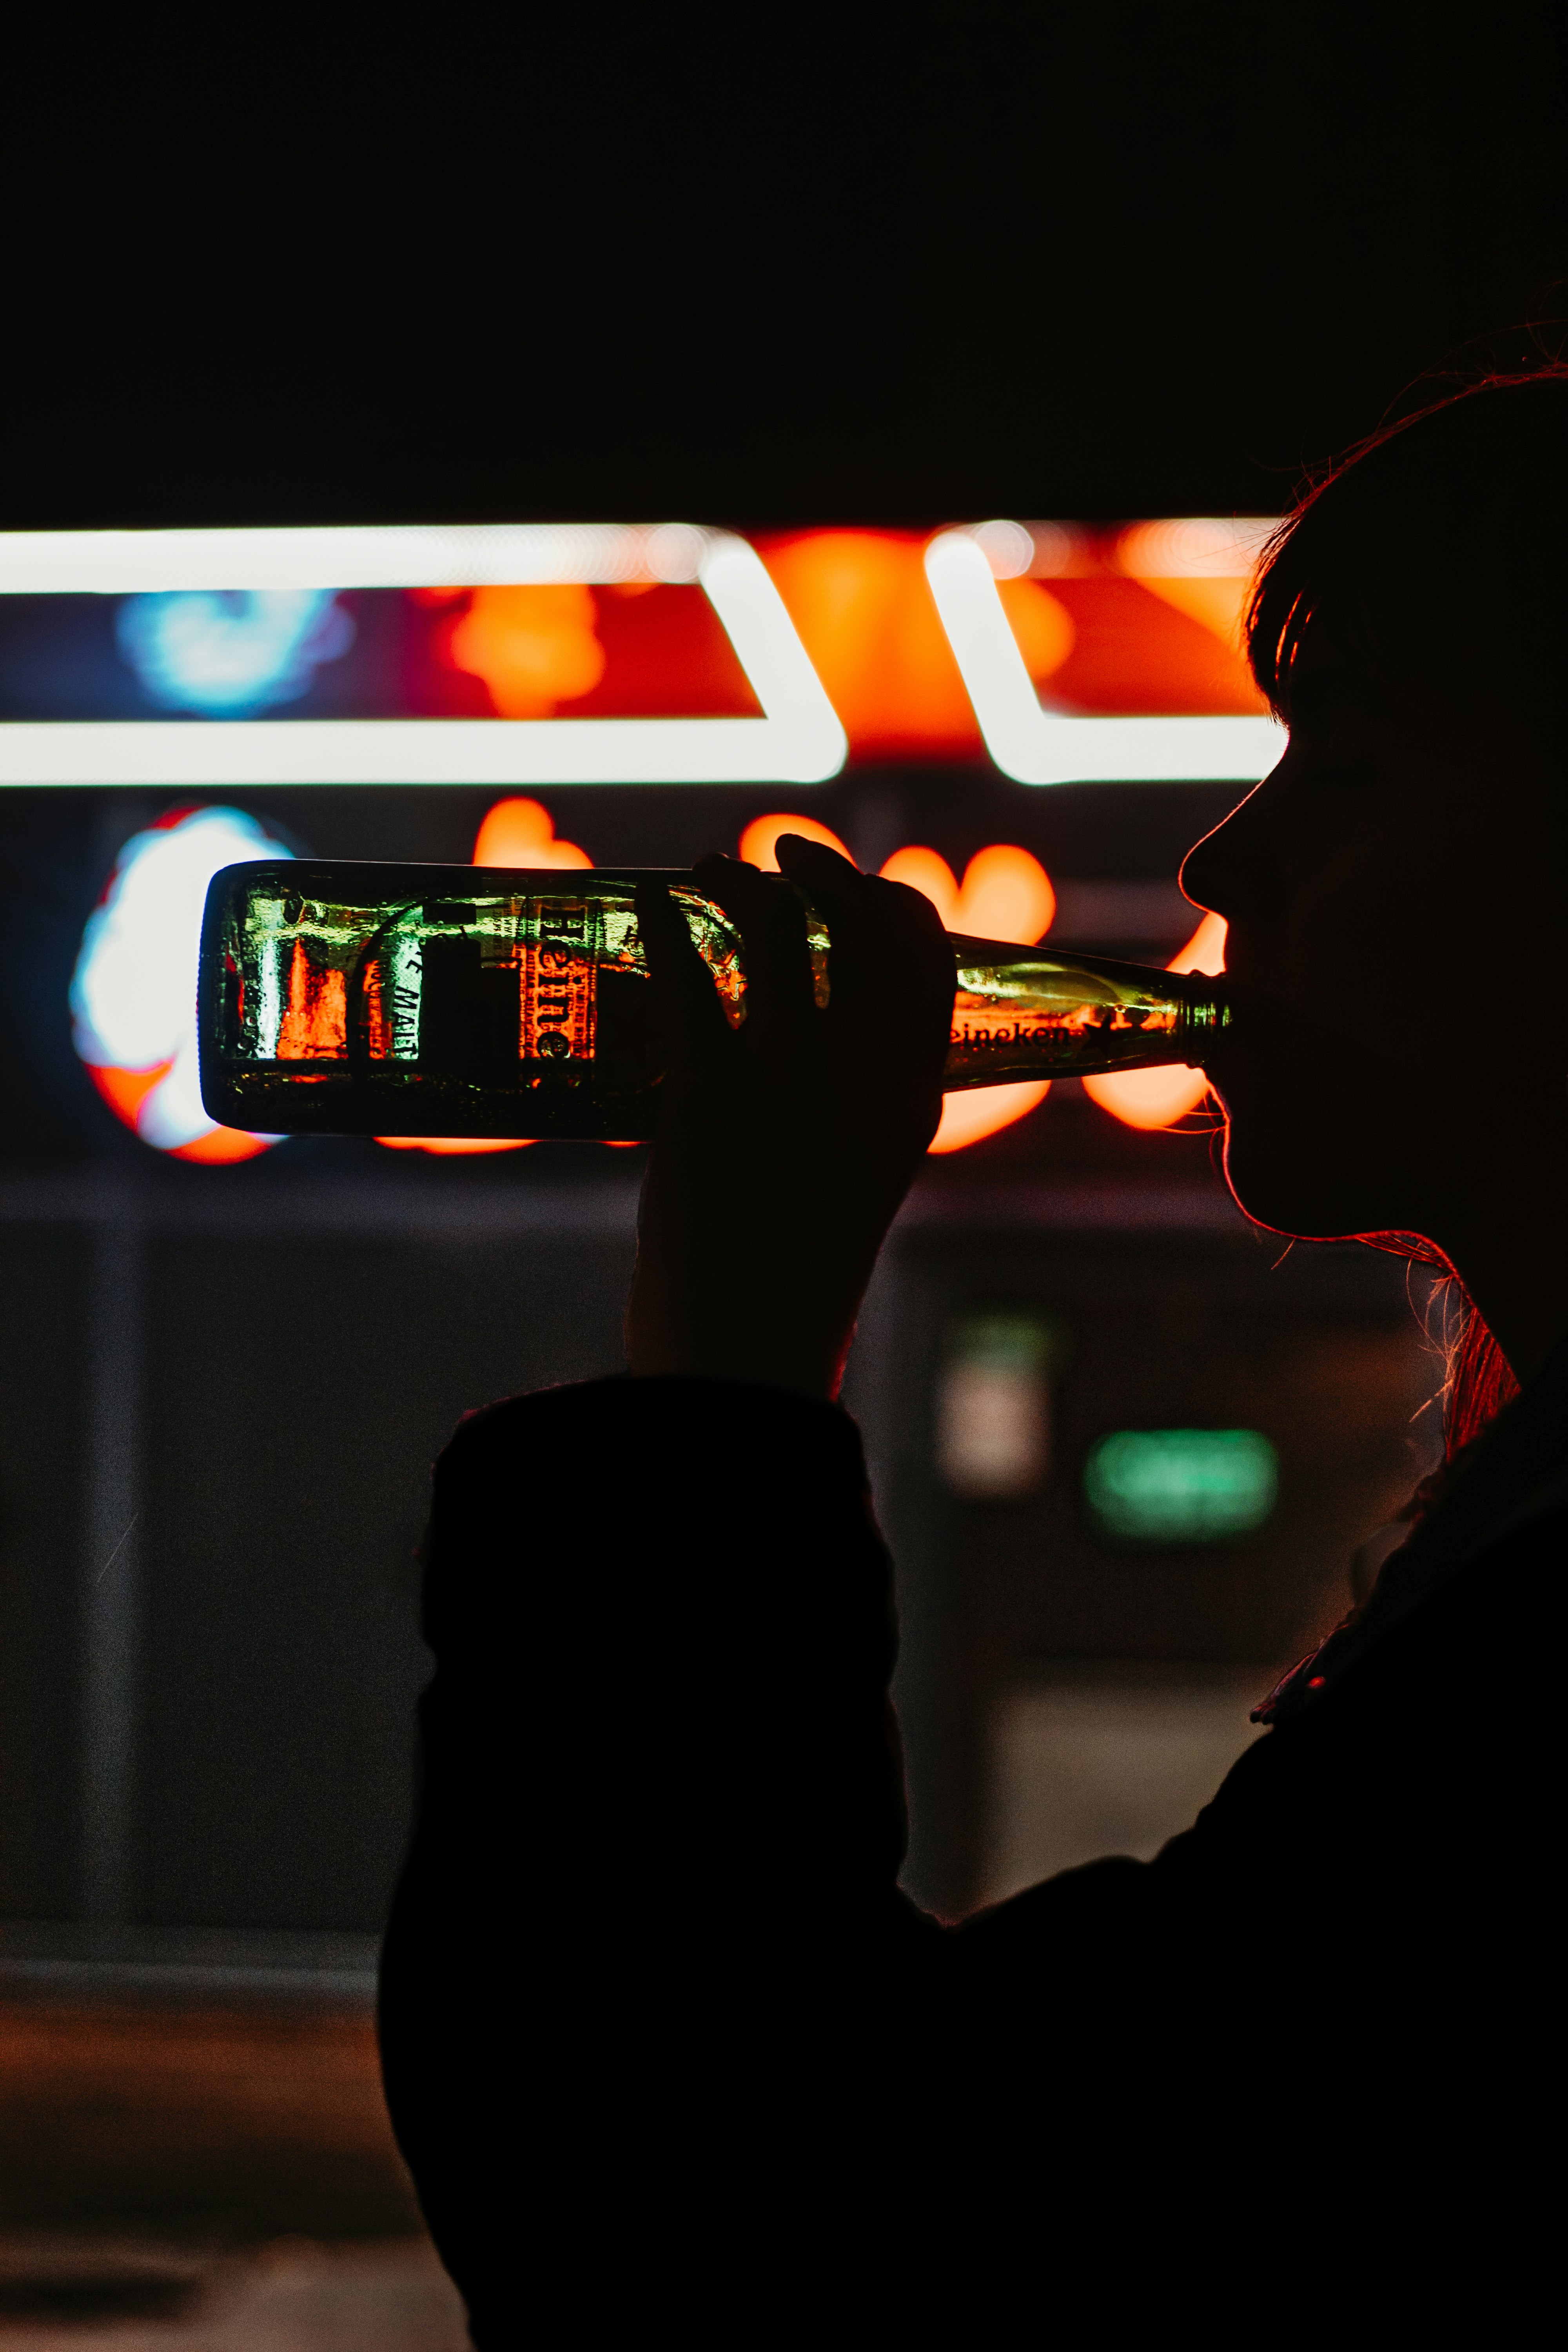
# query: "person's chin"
1289,1160
1285,1189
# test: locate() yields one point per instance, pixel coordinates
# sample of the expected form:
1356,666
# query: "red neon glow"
125,1091
221,1147
522,833
1202,567
862,607
1216,606
622,649
1159,1098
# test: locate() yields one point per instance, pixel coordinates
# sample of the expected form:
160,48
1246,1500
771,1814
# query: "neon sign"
1038,745
516,656
793,736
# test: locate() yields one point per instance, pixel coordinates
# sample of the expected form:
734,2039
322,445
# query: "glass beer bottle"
348,999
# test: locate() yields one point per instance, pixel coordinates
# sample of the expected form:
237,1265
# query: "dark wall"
1321,1349
299,1384
307,1359
908,262
301,1389
43,1276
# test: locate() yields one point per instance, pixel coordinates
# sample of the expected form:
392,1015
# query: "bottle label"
559,971
1088,1023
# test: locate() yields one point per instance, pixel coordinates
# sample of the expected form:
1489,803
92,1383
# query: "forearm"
662,1621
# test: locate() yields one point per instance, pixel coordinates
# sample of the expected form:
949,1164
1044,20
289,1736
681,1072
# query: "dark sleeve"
654,1873
661,1791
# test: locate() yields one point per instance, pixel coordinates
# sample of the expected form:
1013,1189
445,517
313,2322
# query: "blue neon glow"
229,651
134,994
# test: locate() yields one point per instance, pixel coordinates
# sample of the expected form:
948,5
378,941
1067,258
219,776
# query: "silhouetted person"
662,2037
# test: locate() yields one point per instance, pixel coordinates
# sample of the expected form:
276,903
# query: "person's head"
1394,889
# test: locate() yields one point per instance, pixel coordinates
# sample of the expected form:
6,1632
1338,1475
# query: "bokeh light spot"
1159,1098
133,993
522,833
980,1111
759,842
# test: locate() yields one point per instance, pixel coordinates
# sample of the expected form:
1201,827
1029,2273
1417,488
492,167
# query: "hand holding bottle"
785,1143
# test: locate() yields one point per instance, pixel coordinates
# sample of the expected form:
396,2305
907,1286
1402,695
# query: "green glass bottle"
340,998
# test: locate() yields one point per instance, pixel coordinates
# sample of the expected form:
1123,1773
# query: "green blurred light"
1008,1343
1181,1485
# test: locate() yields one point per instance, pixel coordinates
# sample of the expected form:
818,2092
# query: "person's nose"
1233,870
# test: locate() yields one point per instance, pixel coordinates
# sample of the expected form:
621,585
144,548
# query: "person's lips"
1263,1031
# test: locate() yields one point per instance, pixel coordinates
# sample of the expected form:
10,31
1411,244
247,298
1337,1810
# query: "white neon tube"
778,669
797,740
489,751
1042,746
414,555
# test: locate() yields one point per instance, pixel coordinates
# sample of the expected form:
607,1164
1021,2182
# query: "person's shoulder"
555,1421
550,1407
663,1418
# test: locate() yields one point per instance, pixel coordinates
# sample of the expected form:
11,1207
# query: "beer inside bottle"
341,999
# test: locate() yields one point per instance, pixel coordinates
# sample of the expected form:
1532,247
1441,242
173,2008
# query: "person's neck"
1510,1253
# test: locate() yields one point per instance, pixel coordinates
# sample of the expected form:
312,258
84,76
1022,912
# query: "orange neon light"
455,1144
1159,1098
966,1119
1140,619
1006,893
863,609
522,833
927,872
534,647
759,842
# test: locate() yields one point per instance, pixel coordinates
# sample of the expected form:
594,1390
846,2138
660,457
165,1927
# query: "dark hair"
1435,547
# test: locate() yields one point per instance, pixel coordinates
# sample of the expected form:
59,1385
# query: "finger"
687,1000
888,943
771,919
799,857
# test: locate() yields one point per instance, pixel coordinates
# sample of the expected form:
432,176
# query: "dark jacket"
649,1945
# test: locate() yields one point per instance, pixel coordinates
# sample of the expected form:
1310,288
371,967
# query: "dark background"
753,265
